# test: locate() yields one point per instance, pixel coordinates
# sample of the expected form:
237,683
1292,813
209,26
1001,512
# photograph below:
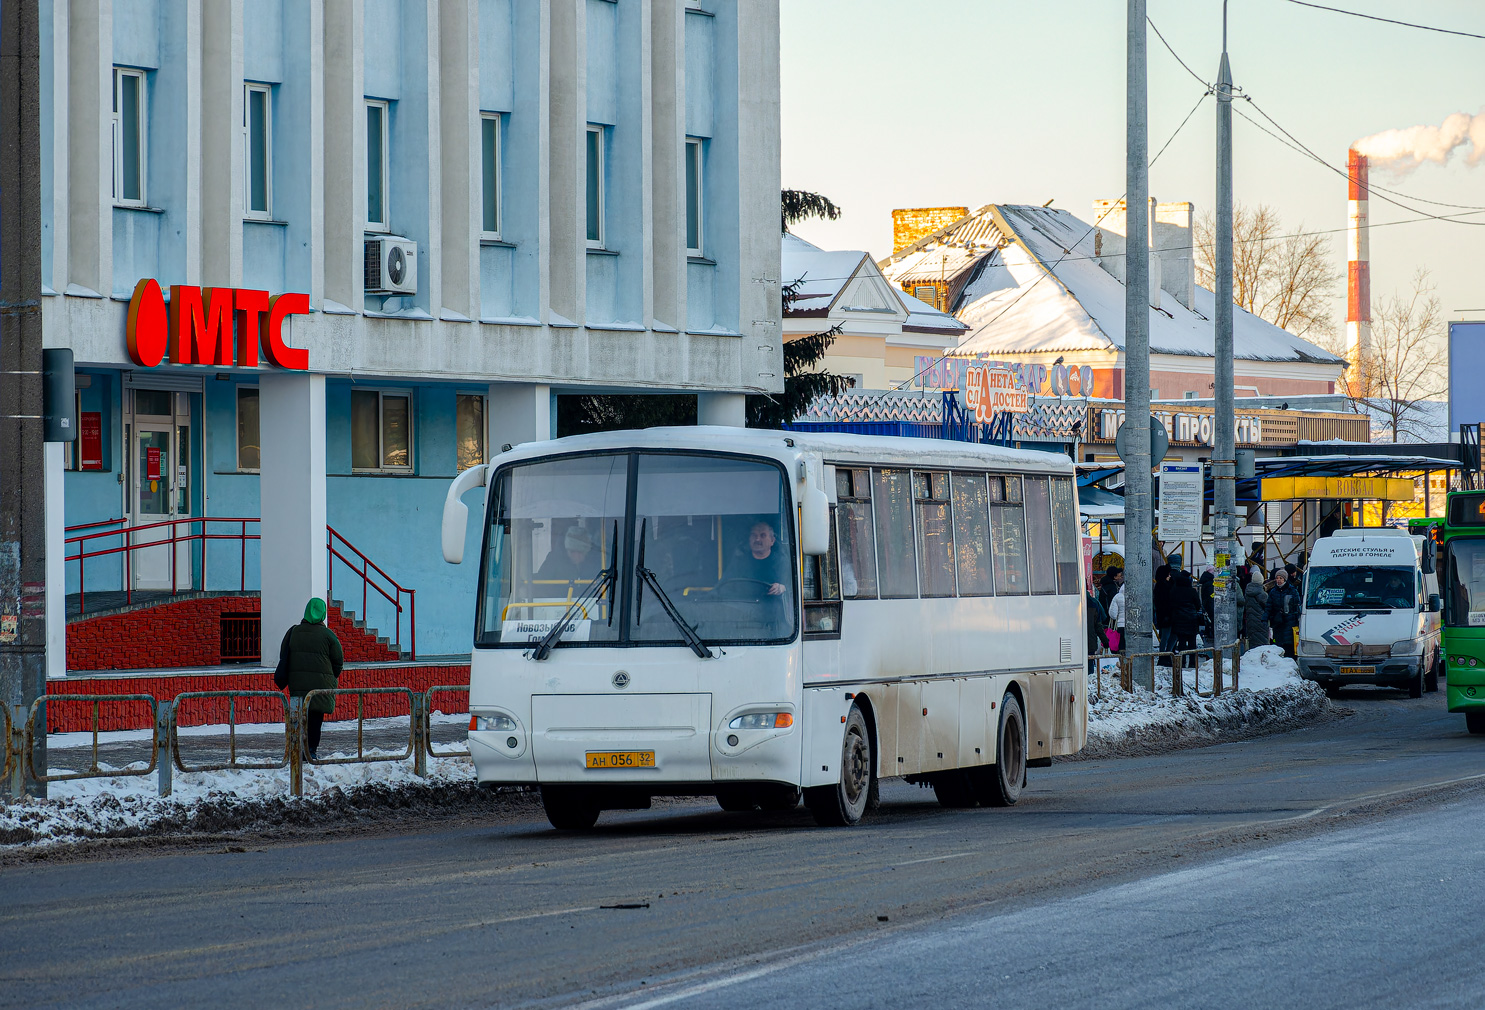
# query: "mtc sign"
217,326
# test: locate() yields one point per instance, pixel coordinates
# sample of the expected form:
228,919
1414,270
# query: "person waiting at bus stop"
310,659
1185,613
1283,610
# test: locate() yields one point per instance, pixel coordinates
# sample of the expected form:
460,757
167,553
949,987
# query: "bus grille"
1064,654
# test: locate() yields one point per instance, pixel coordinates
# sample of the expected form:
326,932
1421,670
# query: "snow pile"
205,802
1272,698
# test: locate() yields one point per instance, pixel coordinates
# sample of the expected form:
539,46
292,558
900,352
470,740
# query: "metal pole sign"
1159,440
1182,489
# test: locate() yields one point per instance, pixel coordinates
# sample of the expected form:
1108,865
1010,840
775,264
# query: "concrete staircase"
359,642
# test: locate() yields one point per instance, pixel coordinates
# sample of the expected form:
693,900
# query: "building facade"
315,257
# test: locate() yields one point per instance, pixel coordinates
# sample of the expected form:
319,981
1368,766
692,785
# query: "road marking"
933,859
522,918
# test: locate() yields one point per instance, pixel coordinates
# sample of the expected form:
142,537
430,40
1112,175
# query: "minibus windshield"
1380,587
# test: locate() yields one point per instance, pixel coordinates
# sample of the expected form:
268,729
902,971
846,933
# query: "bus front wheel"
842,804
568,809
999,785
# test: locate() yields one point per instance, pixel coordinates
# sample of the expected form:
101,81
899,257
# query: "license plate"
1358,671
621,759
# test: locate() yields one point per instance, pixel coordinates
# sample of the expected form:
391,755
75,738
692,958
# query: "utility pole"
22,464
1224,465
1138,514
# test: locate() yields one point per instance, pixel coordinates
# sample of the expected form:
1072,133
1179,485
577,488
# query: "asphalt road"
1105,872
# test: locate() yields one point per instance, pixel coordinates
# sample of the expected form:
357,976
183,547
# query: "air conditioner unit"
391,266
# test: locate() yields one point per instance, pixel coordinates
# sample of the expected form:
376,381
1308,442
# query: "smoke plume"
1401,151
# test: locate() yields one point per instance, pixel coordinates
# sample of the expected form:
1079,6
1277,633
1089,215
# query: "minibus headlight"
1408,647
1309,648
492,723
762,720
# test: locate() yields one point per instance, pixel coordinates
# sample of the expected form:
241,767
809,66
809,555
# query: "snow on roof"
1047,292
823,275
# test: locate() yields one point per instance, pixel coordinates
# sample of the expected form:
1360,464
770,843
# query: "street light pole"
1224,500
22,460
1138,514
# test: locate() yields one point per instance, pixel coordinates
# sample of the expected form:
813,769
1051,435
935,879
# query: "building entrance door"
159,491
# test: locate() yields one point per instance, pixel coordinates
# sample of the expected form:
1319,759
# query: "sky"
919,103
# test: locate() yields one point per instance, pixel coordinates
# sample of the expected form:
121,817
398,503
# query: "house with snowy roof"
883,329
1038,285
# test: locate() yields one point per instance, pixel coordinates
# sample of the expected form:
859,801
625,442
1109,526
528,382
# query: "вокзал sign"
207,327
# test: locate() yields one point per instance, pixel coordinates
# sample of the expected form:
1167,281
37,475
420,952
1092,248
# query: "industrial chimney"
1358,272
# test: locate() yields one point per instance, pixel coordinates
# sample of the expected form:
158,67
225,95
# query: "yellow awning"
1376,488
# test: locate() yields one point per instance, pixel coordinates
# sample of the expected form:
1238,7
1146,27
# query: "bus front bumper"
1466,688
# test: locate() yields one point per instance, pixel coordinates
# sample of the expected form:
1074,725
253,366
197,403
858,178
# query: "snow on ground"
1270,696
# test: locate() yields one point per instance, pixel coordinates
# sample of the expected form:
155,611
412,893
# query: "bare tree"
1406,364
1284,278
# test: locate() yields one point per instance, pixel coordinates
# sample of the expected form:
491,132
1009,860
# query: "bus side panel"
908,750
1070,715
883,701
1039,715
975,726
824,711
938,740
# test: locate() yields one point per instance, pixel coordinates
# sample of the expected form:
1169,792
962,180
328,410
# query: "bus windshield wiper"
602,582
649,578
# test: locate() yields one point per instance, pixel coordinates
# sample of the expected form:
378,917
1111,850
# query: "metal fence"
1179,662
26,729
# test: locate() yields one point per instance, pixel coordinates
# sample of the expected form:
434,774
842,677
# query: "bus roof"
833,447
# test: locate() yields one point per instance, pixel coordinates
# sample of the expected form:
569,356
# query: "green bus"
1461,546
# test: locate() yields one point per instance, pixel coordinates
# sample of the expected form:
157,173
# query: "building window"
128,137
693,197
377,218
490,175
469,430
926,293
595,180
381,430
257,149
249,456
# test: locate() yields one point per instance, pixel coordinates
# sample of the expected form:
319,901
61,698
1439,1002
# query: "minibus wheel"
1475,721
1431,682
1415,686
1000,784
842,804
569,809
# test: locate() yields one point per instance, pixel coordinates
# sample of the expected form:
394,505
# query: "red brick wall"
188,633
72,717
184,633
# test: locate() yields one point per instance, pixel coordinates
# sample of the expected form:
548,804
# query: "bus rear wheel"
842,804
569,809
999,785
1475,720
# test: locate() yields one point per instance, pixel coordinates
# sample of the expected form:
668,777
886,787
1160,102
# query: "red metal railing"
363,567
129,543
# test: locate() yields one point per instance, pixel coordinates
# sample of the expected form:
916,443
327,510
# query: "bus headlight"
762,720
1409,647
496,723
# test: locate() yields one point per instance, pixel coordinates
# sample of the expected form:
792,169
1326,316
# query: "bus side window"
935,534
1039,536
1007,536
854,532
1066,544
972,534
822,586
892,508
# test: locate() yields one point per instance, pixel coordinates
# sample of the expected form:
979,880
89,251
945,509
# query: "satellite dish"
1159,442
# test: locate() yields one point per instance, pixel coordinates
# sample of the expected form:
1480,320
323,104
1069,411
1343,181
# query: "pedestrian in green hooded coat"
311,653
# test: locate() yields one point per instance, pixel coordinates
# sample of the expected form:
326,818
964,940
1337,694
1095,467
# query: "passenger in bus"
1397,594
761,565
577,561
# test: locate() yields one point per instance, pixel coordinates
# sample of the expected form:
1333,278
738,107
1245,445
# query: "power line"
1201,80
1390,21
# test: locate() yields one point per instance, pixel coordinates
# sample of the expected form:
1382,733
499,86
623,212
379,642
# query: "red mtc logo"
198,329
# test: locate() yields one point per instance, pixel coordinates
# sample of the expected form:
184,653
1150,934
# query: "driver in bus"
761,564
577,561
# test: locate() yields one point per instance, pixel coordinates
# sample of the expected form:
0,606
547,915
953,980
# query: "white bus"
760,615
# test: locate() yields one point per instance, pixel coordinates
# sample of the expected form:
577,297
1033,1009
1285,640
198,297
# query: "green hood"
314,611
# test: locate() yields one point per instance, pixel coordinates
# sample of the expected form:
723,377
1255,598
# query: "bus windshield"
1391,587
703,540
1465,594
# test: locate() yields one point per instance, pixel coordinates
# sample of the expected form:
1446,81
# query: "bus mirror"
456,513
814,533
1435,603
